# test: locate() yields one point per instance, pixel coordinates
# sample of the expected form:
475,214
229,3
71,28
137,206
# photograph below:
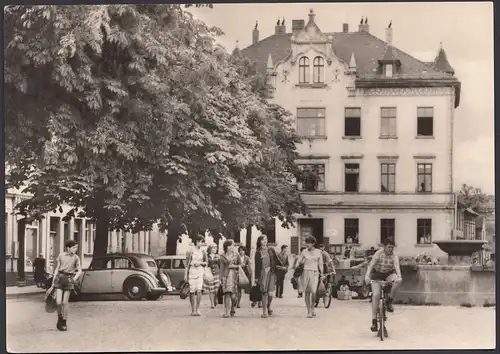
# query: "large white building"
377,127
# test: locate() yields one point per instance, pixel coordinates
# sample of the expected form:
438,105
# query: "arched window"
319,70
304,70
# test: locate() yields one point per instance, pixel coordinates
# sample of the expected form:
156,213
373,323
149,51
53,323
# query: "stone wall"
447,285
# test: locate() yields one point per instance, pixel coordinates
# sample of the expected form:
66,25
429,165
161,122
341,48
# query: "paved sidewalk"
166,325
15,291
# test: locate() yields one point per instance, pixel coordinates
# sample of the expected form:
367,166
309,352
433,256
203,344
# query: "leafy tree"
134,115
475,199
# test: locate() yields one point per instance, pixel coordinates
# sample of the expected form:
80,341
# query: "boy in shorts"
68,270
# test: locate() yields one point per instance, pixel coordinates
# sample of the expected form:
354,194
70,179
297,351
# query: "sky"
464,29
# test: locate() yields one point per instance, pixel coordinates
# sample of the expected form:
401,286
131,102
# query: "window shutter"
326,241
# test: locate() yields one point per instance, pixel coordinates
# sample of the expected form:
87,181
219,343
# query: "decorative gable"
311,38
311,32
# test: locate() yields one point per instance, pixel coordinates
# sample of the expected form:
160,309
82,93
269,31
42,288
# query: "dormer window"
318,70
388,70
304,70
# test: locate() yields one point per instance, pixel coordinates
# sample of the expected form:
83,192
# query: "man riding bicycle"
384,266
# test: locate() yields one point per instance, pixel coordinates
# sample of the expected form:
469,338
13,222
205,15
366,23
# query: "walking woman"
312,260
196,263
68,270
213,264
265,273
229,264
245,264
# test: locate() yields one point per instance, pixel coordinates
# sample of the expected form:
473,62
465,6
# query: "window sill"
424,137
351,137
309,85
424,245
350,192
419,192
315,137
352,244
313,192
388,193
388,137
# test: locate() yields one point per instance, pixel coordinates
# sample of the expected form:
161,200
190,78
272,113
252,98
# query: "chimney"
297,25
388,35
280,27
255,34
345,27
364,26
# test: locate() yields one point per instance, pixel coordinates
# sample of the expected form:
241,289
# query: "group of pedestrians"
270,269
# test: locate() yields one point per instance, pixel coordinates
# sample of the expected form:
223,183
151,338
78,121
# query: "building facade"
48,236
377,135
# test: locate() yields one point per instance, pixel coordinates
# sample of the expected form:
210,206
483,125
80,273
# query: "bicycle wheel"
327,300
381,320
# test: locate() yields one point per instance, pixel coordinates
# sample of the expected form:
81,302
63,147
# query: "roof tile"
367,49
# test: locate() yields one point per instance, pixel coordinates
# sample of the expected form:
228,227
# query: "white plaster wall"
369,228
335,98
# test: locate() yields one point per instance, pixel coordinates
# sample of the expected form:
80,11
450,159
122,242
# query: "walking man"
39,270
281,270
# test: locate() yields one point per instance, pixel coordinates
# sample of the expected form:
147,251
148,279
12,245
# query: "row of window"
305,70
311,122
319,70
387,229
313,177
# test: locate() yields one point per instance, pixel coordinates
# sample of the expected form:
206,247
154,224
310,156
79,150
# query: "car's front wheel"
134,289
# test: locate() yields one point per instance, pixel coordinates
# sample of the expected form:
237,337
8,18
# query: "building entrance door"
311,227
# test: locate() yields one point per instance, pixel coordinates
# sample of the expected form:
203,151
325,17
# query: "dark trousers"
280,282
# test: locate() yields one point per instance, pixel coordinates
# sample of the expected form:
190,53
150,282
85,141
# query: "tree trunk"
248,243
173,233
101,234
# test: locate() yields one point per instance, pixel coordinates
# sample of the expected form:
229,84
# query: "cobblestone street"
166,325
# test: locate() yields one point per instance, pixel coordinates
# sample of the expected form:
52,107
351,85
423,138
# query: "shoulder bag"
185,285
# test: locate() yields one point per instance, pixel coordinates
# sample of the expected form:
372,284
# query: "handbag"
50,301
243,281
298,270
255,295
220,296
185,284
295,284
208,277
184,290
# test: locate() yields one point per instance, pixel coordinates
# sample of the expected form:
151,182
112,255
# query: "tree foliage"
475,199
133,115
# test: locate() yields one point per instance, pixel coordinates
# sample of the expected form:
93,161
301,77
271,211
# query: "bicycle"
385,288
327,298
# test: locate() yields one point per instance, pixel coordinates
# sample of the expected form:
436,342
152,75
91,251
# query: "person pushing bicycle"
328,265
384,266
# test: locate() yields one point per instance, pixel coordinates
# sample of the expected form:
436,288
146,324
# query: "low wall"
447,285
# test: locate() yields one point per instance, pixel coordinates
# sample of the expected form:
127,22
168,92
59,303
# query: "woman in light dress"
229,264
312,260
197,260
